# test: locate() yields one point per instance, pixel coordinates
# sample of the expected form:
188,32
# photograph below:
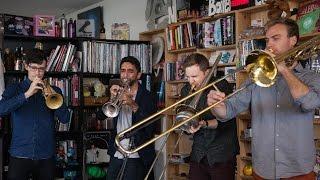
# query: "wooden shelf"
151,32
177,177
246,177
214,17
179,164
174,97
183,50
61,39
245,140
244,116
254,37
217,48
246,158
227,64
309,36
183,22
177,81
254,9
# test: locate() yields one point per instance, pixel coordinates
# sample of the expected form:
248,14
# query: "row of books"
217,33
102,57
63,59
69,87
181,36
247,46
92,123
66,153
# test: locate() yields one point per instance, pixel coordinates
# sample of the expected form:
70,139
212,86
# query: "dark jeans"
218,171
134,169
21,169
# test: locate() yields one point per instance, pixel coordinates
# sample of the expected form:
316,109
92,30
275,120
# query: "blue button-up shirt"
282,127
33,123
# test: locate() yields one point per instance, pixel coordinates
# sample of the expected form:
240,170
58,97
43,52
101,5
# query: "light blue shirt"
282,127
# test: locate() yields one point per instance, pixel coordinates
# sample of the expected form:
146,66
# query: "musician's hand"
194,129
114,90
215,96
283,68
127,98
35,86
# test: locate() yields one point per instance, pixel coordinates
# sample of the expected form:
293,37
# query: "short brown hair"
292,26
36,56
196,59
132,60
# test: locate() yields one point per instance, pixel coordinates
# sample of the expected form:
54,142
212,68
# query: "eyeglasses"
33,68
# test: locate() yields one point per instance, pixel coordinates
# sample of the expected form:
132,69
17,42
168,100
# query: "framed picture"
96,15
44,25
18,25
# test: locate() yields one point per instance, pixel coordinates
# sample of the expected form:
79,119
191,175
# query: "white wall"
121,11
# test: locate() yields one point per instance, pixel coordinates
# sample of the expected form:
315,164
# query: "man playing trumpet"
137,104
32,146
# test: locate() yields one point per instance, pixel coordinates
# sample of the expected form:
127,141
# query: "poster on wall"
85,28
94,14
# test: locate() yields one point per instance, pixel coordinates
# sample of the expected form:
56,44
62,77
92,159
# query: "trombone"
262,69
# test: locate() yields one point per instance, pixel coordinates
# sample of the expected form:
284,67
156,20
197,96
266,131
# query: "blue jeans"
22,168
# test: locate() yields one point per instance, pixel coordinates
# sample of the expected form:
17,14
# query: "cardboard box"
43,25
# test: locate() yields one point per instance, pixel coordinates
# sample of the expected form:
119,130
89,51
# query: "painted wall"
121,11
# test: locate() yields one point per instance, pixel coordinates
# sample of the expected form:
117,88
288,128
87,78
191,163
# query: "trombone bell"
184,112
262,68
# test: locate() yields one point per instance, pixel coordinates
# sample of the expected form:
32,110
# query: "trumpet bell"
262,68
184,112
110,109
54,101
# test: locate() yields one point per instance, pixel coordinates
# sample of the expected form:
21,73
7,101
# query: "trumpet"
262,69
112,108
53,99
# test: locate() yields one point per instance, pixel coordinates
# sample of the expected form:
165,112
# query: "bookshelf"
83,107
173,86
243,19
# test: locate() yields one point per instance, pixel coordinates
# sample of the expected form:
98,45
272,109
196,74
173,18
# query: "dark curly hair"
132,60
36,56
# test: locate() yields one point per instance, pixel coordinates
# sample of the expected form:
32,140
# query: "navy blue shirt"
33,123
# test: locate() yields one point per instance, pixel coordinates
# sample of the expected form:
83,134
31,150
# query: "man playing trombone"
215,144
282,115
136,104
32,146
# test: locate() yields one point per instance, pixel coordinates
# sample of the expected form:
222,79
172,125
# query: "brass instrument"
262,69
53,99
185,111
112,108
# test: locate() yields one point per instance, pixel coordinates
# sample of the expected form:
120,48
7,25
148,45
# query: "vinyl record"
157,50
